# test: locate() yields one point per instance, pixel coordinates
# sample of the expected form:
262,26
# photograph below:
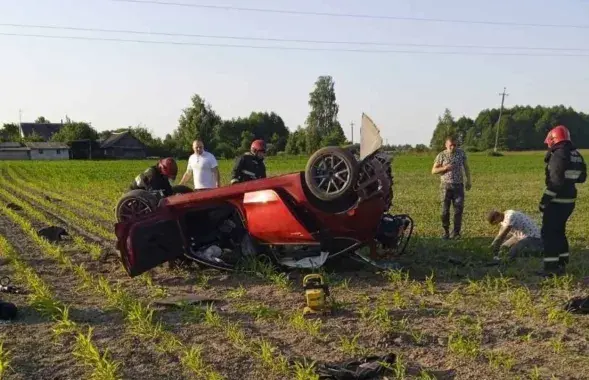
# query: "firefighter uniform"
565,167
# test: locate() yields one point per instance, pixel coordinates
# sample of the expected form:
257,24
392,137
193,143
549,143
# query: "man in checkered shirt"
449,164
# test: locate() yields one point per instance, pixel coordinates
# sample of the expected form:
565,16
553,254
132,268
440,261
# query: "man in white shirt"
203,167
522,233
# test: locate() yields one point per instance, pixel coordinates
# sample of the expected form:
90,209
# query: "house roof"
44,130
111,140
46,145
19,149
10,144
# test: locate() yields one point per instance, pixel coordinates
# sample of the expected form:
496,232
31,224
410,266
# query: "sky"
114,84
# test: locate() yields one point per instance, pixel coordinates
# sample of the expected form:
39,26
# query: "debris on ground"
8,311
14,206
193,299
52,233
370,367
579,305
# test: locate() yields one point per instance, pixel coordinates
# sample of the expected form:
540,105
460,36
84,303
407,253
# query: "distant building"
13,151
43,130
48,151
123,145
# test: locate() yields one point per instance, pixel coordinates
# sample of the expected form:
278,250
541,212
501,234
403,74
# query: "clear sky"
116,84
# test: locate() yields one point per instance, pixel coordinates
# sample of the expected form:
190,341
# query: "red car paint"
267,208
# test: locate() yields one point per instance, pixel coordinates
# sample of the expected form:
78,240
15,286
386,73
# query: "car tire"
135,203
181,189
329,158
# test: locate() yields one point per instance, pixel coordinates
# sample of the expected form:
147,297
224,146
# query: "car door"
148,242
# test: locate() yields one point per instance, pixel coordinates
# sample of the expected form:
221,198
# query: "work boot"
552,272
446,234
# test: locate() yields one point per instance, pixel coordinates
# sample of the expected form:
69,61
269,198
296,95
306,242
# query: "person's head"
258,148
198,147
168,167
451,143
495,217
556,135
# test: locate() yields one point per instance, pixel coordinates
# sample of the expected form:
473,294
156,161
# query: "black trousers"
452,194
556,244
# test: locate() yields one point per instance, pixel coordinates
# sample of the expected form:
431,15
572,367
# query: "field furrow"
446,314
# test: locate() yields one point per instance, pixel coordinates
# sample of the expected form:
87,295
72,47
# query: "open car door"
148,242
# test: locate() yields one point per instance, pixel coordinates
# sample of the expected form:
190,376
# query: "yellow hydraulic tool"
316,293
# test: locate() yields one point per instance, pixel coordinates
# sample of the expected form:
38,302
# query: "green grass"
500,322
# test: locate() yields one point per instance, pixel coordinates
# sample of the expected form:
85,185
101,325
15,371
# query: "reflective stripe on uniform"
572,174
564,255
563,200
551,193
248,173
550,259
576,158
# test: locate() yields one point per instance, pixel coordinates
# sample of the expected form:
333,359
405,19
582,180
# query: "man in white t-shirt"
203,167
521,232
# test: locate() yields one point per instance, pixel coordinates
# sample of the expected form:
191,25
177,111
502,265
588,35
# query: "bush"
491,153
471,149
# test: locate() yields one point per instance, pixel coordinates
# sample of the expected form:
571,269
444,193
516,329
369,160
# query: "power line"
352,15
503,94
373,43
287,47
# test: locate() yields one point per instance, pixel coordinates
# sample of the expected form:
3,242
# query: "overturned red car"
336,206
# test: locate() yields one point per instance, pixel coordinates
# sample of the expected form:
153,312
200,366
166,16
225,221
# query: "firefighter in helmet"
250,165
157,177
565,167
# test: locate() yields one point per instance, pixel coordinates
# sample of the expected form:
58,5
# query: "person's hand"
468,185
447,168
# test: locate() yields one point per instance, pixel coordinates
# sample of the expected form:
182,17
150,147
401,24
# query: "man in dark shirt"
157,177
565,167
250,165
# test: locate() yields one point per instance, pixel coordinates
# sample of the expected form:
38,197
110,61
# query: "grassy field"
84,319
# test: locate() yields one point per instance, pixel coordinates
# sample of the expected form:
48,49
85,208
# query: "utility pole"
352,129
503,95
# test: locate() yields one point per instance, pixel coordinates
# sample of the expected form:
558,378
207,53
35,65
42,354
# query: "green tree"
10,132
75,130
323,126
42,120
198,121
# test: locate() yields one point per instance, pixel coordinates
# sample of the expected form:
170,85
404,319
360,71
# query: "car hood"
370,139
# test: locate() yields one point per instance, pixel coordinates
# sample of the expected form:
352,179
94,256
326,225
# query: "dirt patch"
35,351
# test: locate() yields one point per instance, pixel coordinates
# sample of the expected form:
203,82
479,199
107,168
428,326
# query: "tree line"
520,128
224,138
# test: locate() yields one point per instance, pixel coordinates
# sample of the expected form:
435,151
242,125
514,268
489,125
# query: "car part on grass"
5,286
316,294
8,311
578,305
370,367
52,233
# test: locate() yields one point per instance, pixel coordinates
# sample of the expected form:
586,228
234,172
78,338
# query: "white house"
13,151
48,151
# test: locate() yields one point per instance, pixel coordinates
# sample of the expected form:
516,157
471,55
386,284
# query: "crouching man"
518,233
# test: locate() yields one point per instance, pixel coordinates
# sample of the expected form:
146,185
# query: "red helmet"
168,167
258,145
556,135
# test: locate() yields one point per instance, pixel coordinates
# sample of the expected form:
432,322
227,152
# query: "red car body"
278,211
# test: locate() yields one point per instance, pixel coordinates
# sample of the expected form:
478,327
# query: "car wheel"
331,173
135,203
181,189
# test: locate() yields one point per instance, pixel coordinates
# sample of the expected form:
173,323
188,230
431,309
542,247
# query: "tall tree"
75,130
323,127
196,122
42,120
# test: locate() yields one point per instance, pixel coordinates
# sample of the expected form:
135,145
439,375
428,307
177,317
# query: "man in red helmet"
565,167
250,165
157,177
